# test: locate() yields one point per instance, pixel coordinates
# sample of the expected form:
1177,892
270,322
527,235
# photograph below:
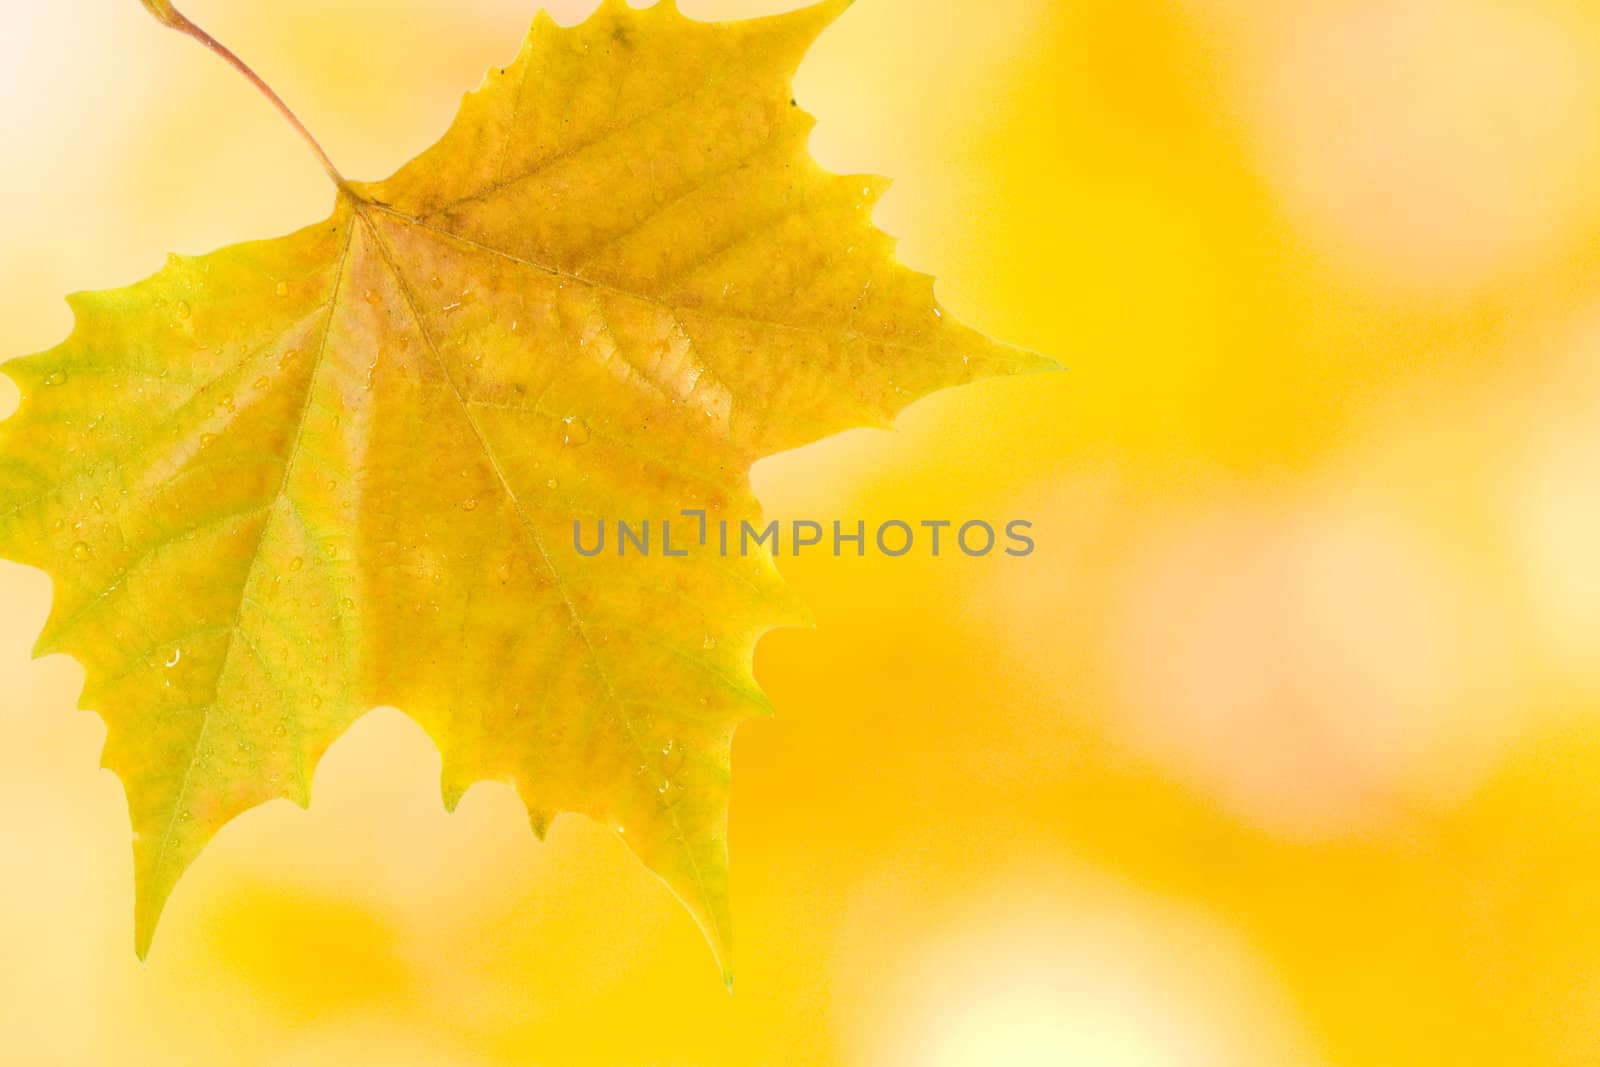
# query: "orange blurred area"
1279,750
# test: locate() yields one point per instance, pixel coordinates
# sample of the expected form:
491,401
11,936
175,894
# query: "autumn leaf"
292,480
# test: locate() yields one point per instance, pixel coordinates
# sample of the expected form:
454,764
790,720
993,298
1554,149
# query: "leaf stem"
170,16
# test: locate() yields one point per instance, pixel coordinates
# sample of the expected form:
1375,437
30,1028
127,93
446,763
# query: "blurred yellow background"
1279,751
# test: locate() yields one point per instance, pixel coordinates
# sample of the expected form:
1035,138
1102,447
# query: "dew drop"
206,439
551,484
346,604
280,730
56,377
295,565
371,296
316,702
330,550
574,431
177,655
262,382
80,552
183,310
709,643
469,504
282,289
173,259
671,757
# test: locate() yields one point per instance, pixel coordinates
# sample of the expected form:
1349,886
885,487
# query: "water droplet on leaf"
671,757
574,431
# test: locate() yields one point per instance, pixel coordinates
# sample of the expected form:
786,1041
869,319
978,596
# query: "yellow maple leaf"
289,481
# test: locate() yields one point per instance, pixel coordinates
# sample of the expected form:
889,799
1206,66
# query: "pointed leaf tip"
801,27
829,10
822,15
146,918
